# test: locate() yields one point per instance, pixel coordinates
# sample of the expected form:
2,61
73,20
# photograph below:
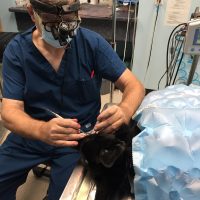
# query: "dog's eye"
85,161
105,151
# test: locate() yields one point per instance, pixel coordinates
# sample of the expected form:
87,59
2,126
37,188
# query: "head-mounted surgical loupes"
63,28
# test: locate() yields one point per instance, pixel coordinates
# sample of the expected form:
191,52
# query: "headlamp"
57,9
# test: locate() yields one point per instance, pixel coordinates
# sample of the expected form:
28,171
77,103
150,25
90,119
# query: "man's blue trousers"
19,155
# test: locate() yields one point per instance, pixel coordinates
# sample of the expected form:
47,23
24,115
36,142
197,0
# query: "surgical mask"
49,38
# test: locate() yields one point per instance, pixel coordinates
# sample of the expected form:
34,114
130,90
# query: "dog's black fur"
108,158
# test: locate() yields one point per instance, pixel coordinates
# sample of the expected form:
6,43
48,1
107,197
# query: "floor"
36,188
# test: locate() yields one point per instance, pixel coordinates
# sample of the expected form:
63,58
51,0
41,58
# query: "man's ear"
108,157
31,12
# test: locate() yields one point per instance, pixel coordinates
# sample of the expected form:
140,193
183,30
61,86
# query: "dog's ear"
108,157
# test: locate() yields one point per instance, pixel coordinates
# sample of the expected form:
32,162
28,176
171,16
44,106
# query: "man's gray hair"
53,1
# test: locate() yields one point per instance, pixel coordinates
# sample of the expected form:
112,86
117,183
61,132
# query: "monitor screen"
196,40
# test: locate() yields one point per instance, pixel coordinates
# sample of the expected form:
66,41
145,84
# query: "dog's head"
102,149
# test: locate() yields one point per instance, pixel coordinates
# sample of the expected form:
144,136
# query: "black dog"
108,158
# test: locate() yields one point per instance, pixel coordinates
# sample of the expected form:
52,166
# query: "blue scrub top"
74,90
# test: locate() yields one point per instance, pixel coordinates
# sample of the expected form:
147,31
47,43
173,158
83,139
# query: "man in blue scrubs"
57,66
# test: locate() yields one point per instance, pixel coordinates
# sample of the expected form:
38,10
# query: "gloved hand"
110,119
61,132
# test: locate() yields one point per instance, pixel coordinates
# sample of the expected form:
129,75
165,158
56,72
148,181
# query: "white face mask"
48,38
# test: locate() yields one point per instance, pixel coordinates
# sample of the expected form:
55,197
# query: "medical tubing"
172,57
168,43
167,56
179,47
179,64
170,64
175,61
152,40
161,80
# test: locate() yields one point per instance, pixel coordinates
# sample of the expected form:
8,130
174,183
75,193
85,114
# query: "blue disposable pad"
166,154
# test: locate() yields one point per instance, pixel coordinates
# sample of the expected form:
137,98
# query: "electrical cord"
173,53
179,64
173,66
152,40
